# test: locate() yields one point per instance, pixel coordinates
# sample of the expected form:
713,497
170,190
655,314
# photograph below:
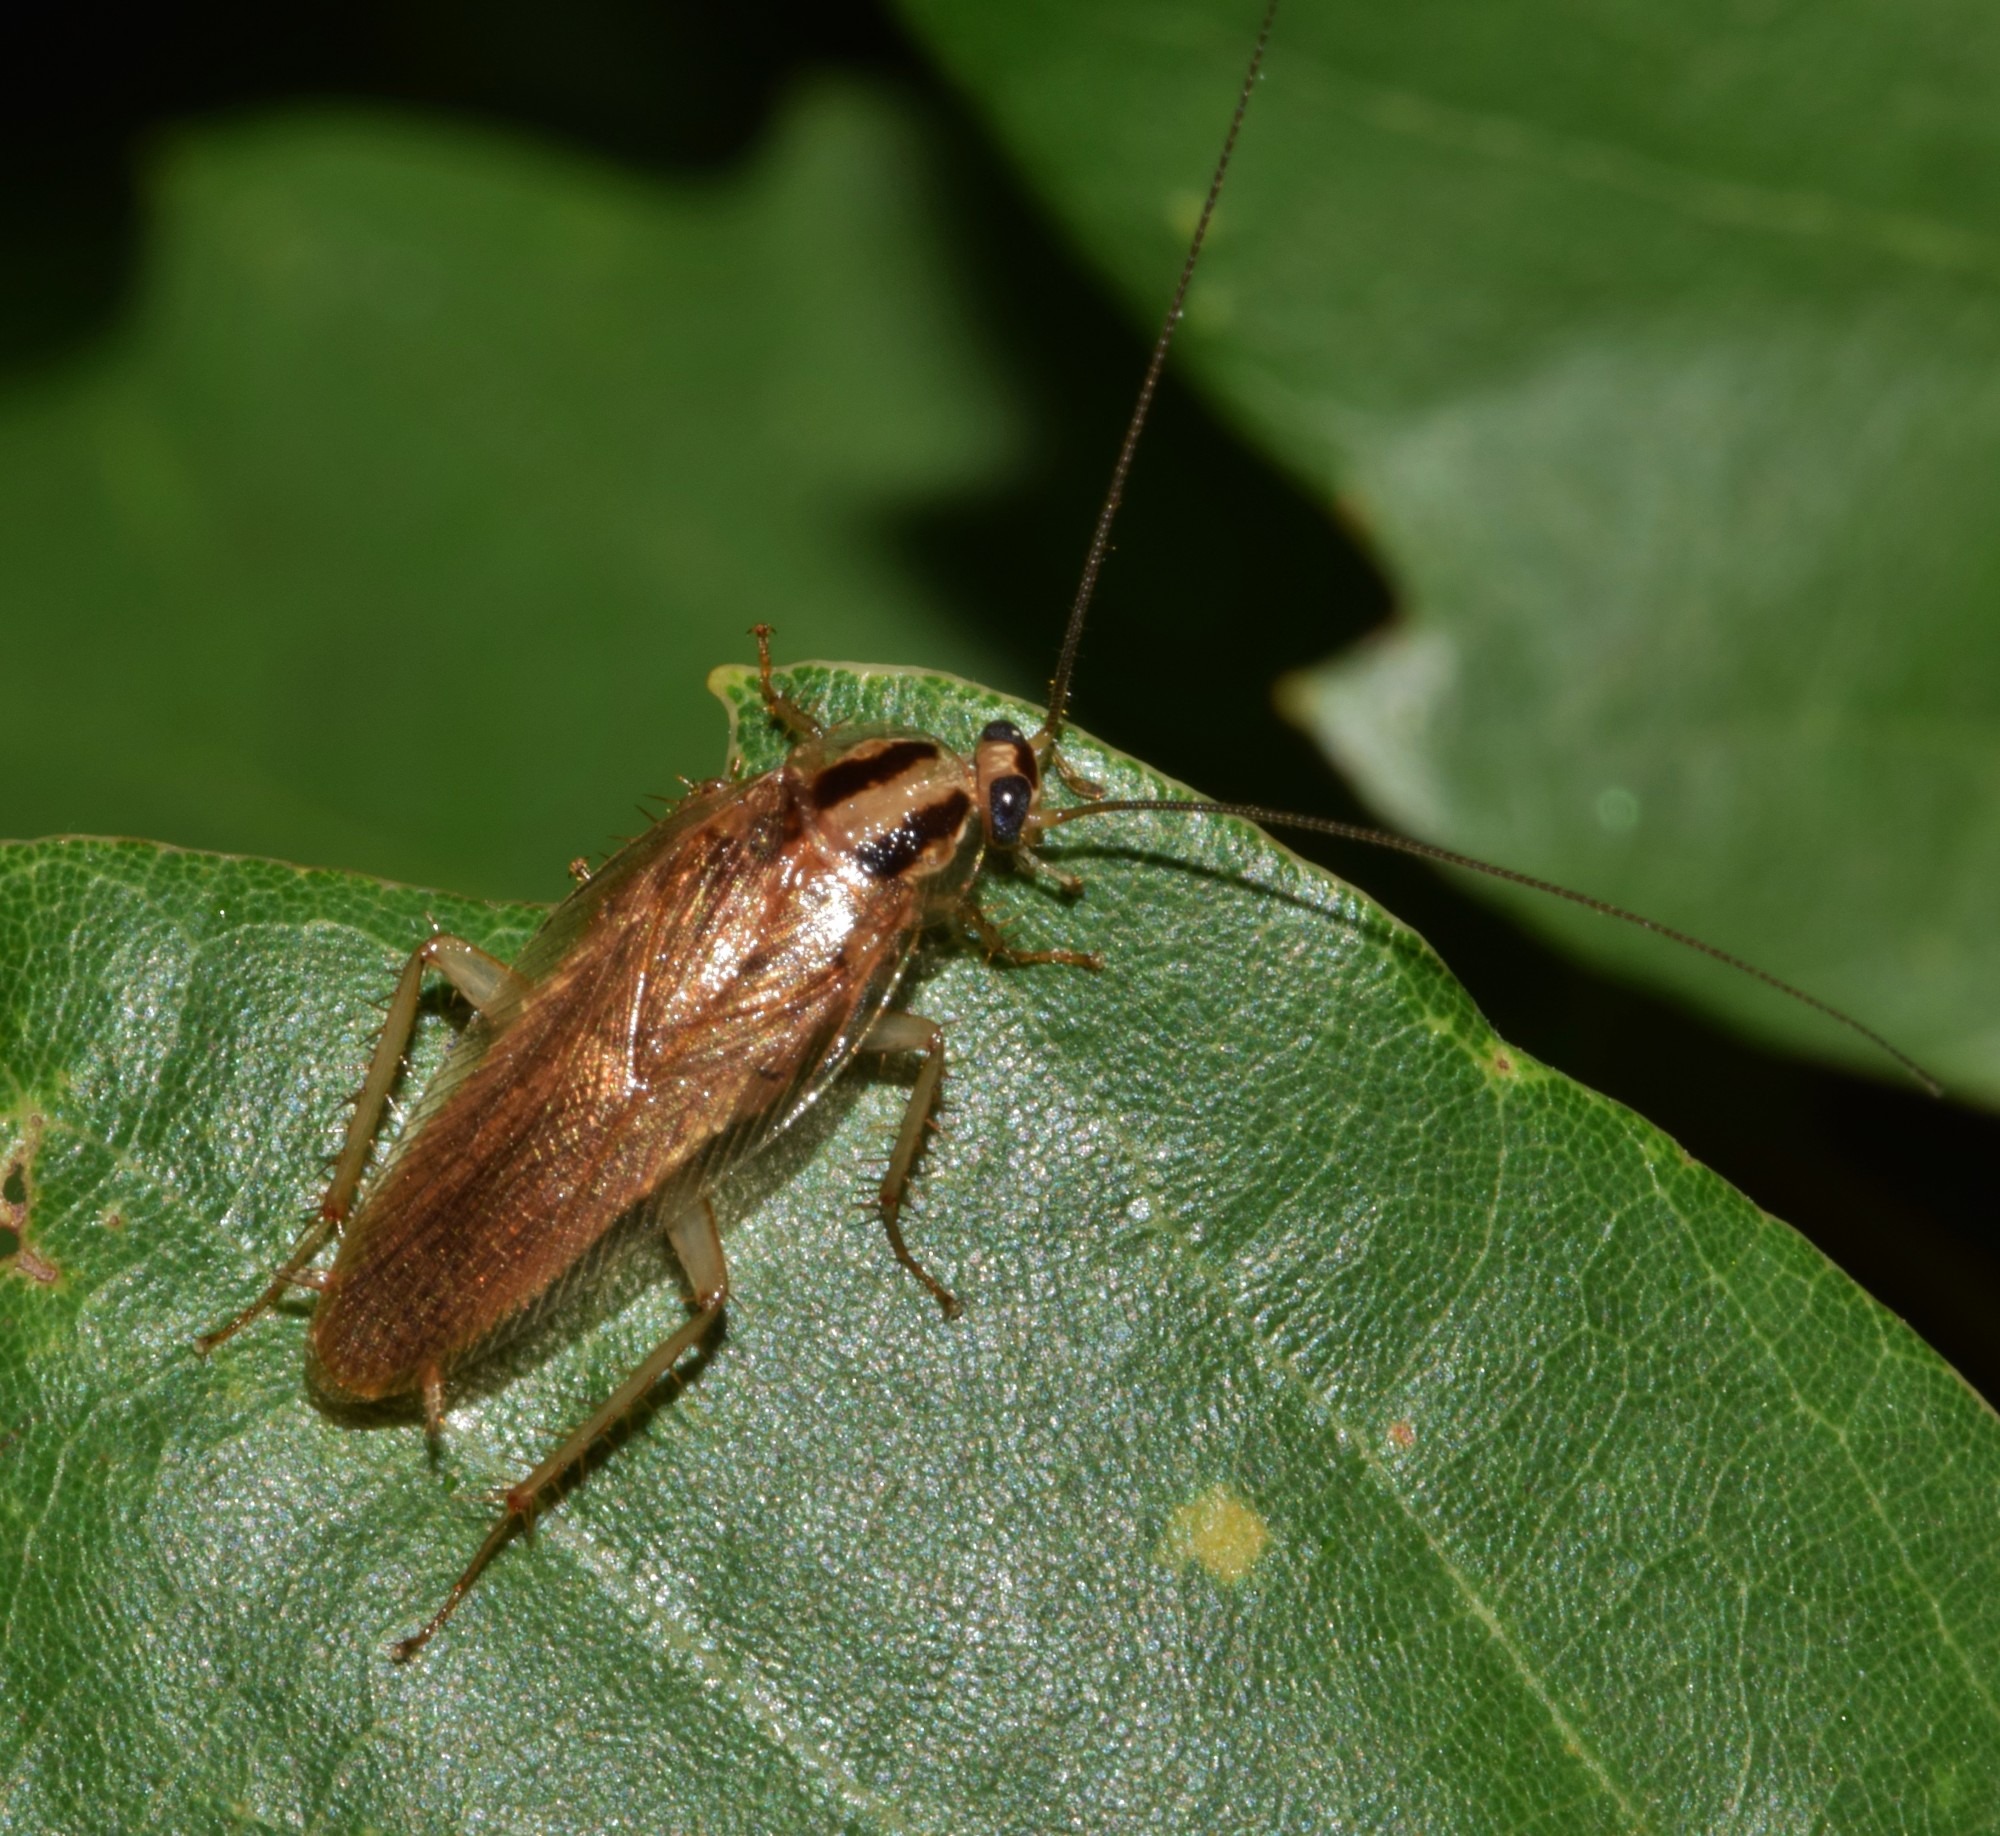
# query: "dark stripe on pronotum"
885,856
852,776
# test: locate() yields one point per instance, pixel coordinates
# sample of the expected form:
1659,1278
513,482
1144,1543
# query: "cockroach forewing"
674,1013
563,944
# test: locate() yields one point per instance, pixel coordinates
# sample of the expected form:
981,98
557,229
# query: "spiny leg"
699,1245
993,941
291,1273
481,979
781,707
911,1033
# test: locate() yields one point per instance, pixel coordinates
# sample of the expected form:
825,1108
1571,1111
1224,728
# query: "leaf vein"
1915,240
1819,1419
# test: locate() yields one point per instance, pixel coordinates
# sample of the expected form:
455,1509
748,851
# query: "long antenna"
1100,541
1402,844
1093,565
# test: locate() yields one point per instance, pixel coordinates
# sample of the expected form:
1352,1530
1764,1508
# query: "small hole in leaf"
10,1243
15,1188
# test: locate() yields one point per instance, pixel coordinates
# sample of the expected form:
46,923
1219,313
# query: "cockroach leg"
1026,859
699,1245
433,1393
782,708
911,1033
481,979
991,939
289,1275
1079,785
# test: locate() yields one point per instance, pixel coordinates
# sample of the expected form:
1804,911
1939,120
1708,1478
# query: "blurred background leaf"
387,476
1666,388
432,471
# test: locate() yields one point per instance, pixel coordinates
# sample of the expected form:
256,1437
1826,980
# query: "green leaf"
1353,1423
397,522
1656,355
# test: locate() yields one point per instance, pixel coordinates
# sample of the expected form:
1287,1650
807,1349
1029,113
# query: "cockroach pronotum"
683,1005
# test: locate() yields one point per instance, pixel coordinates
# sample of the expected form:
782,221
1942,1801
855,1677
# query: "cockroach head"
1010,783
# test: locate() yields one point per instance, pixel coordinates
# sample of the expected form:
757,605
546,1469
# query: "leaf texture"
1353,1423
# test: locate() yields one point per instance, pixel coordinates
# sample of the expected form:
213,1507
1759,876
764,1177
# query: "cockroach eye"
1001,730
1007,803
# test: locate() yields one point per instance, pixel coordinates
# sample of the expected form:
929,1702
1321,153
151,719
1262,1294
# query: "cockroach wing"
672,1015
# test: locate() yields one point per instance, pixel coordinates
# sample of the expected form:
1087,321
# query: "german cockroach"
682,1007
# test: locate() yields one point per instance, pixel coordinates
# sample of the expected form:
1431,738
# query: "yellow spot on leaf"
1218,1530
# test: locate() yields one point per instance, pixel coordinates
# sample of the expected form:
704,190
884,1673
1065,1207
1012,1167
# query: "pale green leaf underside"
1589,1497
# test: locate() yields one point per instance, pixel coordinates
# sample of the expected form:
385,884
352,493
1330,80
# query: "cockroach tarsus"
688,1000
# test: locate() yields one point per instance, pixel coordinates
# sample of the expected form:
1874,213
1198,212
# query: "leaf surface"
1353,1423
